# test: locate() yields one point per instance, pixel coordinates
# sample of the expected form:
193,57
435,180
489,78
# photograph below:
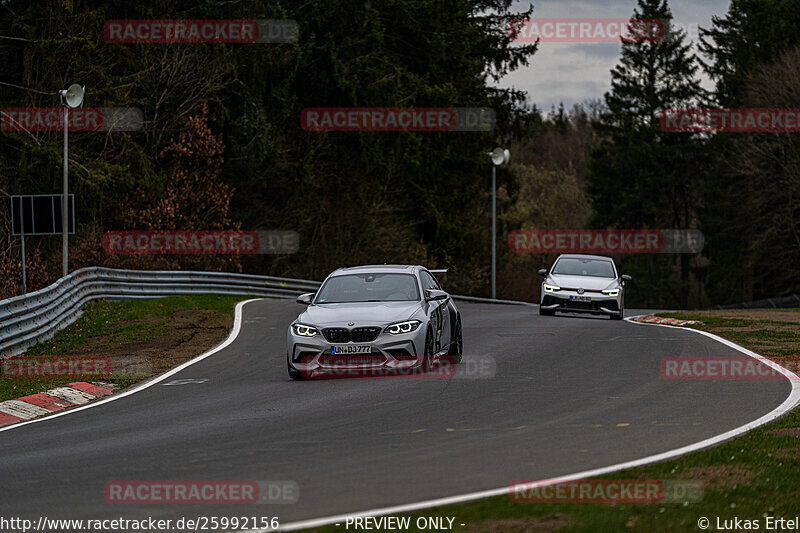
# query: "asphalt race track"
569,394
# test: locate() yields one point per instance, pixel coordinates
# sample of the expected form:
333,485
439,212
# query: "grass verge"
751,477
142,338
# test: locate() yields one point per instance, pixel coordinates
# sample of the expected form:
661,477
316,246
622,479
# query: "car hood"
583,282
362,313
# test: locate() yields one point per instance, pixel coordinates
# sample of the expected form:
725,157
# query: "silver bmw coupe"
374,317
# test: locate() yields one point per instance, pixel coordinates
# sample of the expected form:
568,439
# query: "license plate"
580,299
351,349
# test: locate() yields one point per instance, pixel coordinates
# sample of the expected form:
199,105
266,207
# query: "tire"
456,351
428,350
546,312
618,316
294,374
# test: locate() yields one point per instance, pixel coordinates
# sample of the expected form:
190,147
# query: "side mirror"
625,277
305,298
542,271
435,294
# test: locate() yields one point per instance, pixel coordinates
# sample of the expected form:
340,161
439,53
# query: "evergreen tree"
640,176
752,35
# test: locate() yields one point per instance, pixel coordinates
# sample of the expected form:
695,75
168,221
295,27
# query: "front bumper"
598,304
313,354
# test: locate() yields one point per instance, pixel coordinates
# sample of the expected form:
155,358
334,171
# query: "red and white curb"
35,405
652,319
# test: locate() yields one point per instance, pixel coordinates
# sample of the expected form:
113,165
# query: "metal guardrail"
476,299
31,318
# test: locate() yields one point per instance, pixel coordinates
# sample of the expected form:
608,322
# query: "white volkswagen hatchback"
583,284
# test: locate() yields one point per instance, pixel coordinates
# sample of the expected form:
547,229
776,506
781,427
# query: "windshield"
571,266
369,287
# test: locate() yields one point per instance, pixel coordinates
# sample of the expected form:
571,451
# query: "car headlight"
304,331
611,292
403,327
551,288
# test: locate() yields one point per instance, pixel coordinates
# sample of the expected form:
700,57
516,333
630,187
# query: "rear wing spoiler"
438,271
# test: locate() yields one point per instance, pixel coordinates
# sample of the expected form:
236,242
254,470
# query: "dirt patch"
756,327
755,314
773,333
178,337
554,522
793,432
787,453
719,476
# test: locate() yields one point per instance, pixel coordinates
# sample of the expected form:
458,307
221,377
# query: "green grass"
105,324
772,338
762,469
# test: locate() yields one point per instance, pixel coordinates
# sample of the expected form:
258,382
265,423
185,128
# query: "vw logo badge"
351,323
580,291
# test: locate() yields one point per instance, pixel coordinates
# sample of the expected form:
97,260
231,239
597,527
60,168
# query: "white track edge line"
237,326
787,405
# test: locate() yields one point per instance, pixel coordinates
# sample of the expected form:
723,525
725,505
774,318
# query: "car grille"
374,358
580,305
336,334
367,334
595,291
364,334
565,304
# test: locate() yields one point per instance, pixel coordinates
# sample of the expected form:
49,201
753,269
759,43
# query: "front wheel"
546,312
456,350
428,353
619,315
294,374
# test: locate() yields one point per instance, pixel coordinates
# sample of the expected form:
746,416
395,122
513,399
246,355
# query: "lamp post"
70,98
498,157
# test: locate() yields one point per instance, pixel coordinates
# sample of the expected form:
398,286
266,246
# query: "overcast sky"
574,72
